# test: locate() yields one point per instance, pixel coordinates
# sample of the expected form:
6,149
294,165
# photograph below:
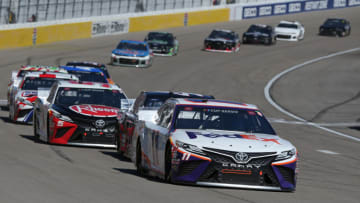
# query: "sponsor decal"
29,93
110,27
354,2
100,123
241,166
294,7
265,10
316,5
280,9
95,110
194,135
339,3
250,12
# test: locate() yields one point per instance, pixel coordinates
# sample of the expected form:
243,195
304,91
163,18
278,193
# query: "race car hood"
232,141
29,95
92,110
286,30
127,52
157,42
147,115
330,26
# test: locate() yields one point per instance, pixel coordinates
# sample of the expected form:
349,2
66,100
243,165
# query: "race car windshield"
74,96
161,37
132,46
221,34
285,25
89,76
334,22
102,67
229,119
34,83
255,28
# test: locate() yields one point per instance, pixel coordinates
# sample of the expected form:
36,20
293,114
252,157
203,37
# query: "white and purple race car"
214,143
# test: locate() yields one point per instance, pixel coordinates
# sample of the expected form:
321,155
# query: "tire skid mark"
61,154
324,111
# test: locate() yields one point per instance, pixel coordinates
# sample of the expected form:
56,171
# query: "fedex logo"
194,135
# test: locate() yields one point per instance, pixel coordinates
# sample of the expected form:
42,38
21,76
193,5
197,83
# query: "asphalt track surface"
324,92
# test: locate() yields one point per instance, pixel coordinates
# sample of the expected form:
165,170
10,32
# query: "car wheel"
267,41
48,130
168,165
35,124
139,169
342,33
118,144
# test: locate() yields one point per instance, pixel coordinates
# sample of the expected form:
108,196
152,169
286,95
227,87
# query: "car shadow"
31,138
116,155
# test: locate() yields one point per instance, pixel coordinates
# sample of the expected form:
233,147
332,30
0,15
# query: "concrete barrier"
16,38
211,16
156,22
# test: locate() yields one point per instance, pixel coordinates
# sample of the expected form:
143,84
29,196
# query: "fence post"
101,7
47,10
128,6
37,8
91,7
56,8
119,7
164,5
73,9
82,8
64,9
183,3
110,5
18,13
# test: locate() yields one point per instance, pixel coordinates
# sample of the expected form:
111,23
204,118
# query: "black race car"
336,27
162,43
259,34
222,41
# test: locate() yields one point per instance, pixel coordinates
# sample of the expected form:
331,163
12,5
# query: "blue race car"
132,53
86,74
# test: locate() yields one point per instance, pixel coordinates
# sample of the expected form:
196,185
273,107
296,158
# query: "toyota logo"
241,157
100,123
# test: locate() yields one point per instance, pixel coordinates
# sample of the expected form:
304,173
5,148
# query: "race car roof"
94,85
81,69
50,75
289,22
84,64
42,68
214,103
133,42
224,30
179,94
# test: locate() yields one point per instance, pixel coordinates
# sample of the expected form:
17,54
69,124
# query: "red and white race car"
24,95
79,113
18,75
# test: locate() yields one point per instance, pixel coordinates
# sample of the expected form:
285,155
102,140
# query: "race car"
144,108
79,113
132,53
86,74
221,40
162,43
258,33
290,31
17,76
21,104
214,143
91,64
336,27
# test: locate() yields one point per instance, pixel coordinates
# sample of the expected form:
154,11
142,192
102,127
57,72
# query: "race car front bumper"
139,62
82,132
24,113
221,47
287,37
221,171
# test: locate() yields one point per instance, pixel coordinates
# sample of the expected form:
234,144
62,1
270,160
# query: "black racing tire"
138,162
118,143
268,41
48,130
348,34
168,165
342,33
35,125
